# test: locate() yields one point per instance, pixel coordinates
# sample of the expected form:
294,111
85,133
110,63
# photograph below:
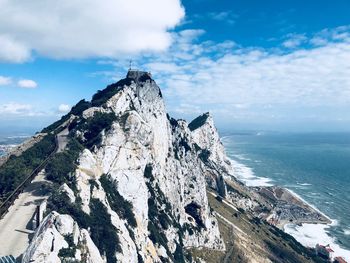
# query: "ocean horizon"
314,166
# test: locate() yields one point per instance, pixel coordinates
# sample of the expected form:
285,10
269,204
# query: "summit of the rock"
138,75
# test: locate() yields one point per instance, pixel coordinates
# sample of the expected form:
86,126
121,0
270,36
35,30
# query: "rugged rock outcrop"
61,233
144,173
218,166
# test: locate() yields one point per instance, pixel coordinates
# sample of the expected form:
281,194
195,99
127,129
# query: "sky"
255,65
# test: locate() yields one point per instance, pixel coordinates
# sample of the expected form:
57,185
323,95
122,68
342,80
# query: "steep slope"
218,166
135,185
138,173
251,239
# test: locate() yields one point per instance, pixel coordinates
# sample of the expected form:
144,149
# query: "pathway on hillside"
15,227
62,140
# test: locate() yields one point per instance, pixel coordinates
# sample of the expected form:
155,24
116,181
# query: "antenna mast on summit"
130,64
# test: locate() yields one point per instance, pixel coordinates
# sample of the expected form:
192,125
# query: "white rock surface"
91,111
69,192
49,239
218,166
143,135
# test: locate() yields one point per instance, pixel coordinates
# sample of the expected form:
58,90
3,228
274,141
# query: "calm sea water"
316,166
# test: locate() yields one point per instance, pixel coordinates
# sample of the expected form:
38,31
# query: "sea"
8,141
314,166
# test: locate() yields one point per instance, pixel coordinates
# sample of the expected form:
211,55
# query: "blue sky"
272,65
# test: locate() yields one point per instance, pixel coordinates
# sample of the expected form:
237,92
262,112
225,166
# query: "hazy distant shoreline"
8,143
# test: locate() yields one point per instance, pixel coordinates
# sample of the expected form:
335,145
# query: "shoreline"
311,234
17,149
308,233
253,181
289,207
310,205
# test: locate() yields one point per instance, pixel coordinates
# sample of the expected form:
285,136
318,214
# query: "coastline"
332,221
19,145
308,234
288,207
311,234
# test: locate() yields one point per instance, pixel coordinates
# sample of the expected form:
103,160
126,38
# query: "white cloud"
27,84
185,108
227,16
245,83
80,29
318,41
19,109
316,76
14,108
326,36
12,50
294,40
64,108
4,81
189,35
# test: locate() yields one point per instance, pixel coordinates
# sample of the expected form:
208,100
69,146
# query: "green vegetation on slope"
102,96
92,128
258,239
122,207
76,110
80,107
16,169
161,218
98,100
102,231
61,167
52,127
70,251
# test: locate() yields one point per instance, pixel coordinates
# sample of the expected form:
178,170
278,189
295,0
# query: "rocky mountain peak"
138,76
140,169
131,184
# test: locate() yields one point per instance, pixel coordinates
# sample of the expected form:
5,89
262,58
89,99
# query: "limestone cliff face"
213,155
52,236
155,163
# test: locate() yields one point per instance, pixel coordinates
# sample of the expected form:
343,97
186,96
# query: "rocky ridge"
155,167
135,185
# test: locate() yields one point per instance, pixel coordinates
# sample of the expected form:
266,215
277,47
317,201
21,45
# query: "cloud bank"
85,28
307,80
14,108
